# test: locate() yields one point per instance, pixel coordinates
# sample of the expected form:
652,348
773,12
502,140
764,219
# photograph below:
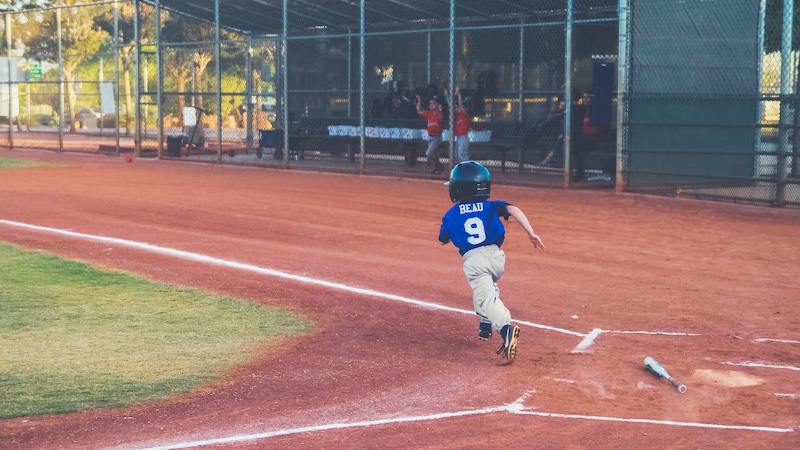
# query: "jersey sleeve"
502,209
444,235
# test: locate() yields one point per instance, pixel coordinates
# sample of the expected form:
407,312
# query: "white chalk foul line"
517,407
587,341
590,338
768,366
788,395
334,426
545,327
271,272
662,333
785,341
658,422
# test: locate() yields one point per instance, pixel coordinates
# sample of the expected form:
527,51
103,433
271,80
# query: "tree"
187,67
19,5
80,39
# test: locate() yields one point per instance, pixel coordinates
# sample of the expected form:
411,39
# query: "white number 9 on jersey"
474,227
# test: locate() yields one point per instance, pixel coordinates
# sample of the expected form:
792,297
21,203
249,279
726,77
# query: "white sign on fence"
189,116
107,100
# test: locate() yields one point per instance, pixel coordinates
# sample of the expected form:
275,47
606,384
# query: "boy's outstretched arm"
520,217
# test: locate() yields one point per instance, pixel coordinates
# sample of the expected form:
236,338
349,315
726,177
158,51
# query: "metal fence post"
521,75
218,71
428,79
60,82
760,71
285,82
278,87
349,73
521,112
30,93
793,157
146,91
160,81
362,121
568,98
116,73
137,136
622,90
248,80
451,83
101,79
786,78
10,85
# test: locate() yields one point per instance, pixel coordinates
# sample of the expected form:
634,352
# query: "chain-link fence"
181,88
707,90
304,93
711,101
506,60
60,79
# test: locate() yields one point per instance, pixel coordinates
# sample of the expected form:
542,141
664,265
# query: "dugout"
335,61
690,98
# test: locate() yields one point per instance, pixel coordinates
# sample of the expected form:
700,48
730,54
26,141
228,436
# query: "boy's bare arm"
419,105
520,217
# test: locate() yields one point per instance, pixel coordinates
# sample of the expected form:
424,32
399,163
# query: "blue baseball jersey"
474,224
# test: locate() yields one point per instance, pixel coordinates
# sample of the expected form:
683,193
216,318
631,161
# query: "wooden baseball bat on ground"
659,370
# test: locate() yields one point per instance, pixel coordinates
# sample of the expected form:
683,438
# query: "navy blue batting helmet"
469,180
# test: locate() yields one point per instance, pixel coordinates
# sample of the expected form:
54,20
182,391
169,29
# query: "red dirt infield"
726,276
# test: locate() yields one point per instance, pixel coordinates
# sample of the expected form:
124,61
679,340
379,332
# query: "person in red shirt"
463,120
435,127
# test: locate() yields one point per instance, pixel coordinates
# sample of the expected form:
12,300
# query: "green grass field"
10,162
75,337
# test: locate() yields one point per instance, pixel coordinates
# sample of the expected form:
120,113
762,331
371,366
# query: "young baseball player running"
473,225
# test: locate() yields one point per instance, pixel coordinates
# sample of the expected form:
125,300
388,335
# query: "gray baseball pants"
483,266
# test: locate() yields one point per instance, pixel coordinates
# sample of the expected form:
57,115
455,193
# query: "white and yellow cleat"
510,334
